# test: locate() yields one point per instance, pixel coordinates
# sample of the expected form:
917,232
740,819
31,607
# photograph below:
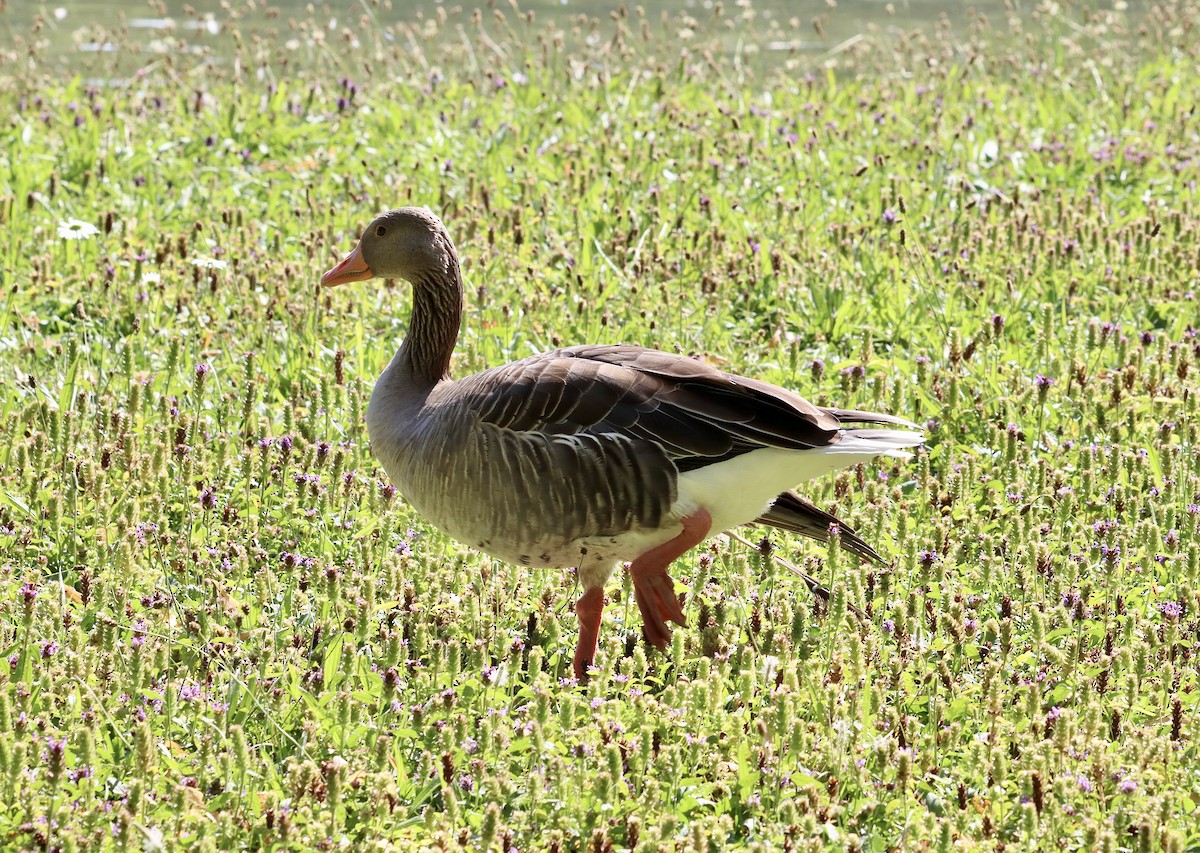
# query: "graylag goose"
590,456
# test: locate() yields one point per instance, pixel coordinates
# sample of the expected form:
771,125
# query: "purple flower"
1042,381
889,627
1127,786
189,692
1085,784
49,649
889,216
1170,609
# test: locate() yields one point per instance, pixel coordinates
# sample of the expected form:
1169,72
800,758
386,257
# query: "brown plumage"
591,455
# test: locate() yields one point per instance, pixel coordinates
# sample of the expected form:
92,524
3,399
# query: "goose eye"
381,230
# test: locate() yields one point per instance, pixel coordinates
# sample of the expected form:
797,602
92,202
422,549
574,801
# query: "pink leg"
653,587
588,608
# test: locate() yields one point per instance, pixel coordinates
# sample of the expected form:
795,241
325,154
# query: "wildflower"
55,750
1085,784
1170,609
29,592
49,649
189,692
76,229
889,216
889,627
209,263
1127,786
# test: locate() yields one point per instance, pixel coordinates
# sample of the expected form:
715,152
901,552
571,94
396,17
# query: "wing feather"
697,414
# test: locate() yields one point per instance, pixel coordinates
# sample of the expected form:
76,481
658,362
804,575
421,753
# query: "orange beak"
352,268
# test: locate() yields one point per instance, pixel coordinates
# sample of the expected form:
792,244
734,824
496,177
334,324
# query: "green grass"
220,631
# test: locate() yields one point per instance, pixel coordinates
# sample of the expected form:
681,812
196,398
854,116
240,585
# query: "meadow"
222,629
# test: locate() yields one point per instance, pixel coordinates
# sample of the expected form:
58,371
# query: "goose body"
590,456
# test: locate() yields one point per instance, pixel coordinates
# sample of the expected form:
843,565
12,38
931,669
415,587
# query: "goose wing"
697,414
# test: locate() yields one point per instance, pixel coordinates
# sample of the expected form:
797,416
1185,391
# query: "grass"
222,630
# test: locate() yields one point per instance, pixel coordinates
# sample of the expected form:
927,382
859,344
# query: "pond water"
89,35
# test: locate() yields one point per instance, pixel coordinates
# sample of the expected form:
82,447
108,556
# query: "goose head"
409,243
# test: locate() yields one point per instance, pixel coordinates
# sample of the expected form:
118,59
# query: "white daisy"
77,229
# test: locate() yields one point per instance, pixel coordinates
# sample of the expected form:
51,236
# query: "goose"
591,456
